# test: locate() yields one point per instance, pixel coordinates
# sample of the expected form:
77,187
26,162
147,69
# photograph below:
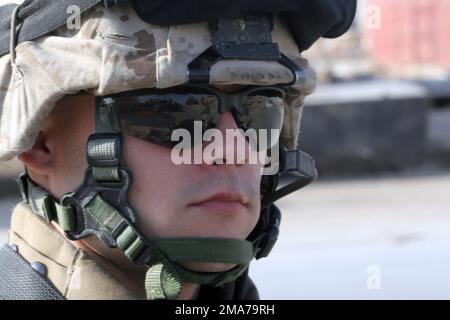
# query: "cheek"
155,179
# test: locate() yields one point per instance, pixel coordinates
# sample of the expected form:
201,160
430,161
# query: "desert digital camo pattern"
115,51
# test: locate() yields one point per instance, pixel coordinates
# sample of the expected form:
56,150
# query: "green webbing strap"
212,278
102,119
161,283
110,220
106,215
65,217
47,207
213,250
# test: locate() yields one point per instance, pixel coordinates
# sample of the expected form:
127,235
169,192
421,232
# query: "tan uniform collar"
74,273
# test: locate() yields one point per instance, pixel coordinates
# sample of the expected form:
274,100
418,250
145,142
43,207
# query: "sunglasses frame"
228,101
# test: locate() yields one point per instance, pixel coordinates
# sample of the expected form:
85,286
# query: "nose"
229,142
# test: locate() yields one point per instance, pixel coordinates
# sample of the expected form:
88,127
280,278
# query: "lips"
226,202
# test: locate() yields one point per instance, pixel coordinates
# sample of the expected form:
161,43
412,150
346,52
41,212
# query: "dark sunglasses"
153,115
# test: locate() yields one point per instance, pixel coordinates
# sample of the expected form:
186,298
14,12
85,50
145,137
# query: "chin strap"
165,275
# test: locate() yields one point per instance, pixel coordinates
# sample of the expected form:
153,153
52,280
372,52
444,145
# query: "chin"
207,266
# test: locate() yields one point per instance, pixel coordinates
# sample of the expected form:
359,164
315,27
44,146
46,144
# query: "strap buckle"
295,162
298,163
270,237
104,149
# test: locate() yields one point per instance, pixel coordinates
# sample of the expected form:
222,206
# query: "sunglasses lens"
155,117
263,117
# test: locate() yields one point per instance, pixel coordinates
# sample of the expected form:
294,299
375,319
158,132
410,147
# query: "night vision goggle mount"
244,38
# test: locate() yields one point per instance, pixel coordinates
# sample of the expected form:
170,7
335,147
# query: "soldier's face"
196,200
187,200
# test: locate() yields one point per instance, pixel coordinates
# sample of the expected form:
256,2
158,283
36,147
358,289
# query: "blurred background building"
405,39
376,224
417,42
384,96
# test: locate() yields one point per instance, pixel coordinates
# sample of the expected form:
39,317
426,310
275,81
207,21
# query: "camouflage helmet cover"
115,51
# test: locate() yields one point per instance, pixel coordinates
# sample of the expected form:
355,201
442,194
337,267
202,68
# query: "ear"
38,159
